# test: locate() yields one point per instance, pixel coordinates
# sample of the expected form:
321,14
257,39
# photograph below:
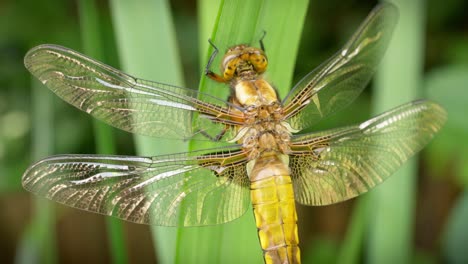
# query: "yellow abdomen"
276,219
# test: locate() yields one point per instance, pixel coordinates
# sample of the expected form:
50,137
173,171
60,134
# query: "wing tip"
440,114
390,8
29,175
30,56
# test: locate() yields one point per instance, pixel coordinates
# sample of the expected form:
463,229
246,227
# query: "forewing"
172,190
134,105
336,165
338,81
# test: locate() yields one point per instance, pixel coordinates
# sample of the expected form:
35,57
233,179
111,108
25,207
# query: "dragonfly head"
243,60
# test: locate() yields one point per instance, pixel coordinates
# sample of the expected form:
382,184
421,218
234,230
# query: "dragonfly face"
243,62
269,163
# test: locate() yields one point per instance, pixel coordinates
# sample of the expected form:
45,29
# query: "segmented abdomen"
276,219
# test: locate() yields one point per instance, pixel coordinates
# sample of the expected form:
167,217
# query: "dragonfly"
264,158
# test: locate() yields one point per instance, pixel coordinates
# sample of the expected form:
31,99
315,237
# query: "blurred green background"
429,55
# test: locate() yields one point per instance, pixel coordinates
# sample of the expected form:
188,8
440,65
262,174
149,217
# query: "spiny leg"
216,138
262,46
208,72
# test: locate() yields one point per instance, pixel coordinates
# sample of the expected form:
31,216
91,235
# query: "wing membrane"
333,166
172,190
128,103
338,81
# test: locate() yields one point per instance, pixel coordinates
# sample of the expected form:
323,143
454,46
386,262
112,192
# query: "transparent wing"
128,103
338,81
336,165
172,190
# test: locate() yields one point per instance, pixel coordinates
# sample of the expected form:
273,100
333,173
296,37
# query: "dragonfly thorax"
254,93
264,131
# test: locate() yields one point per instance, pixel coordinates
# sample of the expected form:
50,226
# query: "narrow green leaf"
392,204
38,243
92,46
351,247
147,48
207,16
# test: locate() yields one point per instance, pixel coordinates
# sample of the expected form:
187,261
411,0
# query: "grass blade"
392,217
352,244
38,243
92,45
147,48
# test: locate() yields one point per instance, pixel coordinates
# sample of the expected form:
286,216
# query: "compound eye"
230,68
259,61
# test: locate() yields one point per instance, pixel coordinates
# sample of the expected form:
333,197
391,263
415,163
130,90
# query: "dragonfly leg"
216,138
262,46
208,72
